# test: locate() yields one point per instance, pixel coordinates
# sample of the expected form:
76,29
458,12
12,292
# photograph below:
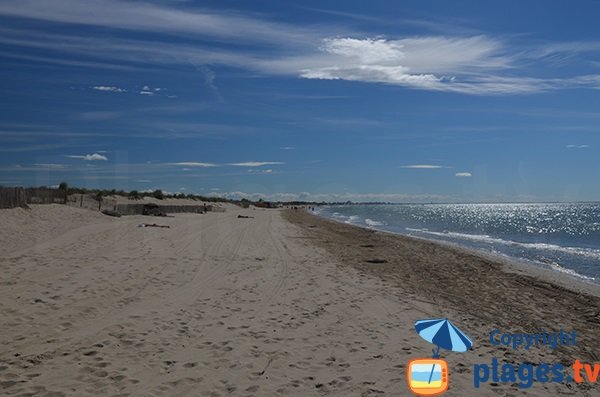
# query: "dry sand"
217,306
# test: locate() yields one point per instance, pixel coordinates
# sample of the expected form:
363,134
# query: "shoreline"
497,293
574,282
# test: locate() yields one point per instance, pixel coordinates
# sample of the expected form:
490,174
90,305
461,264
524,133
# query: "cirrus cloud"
108,88
463,174
89,157
50,166
195,164
422,166
577,146
470,64
256,163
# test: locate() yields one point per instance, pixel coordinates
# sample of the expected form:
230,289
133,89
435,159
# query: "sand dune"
213,306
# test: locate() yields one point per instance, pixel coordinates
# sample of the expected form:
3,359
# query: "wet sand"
479,292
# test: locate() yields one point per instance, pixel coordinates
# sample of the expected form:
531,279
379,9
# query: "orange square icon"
427,376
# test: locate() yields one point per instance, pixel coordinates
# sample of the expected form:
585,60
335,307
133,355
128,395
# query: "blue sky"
411,101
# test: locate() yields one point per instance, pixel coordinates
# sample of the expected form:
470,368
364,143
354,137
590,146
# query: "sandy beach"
281,303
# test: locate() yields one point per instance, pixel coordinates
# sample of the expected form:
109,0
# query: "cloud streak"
472,64
422,166
577,146
50,166
89,157
195,164
468,65
149,17
256,163
108,88
209,81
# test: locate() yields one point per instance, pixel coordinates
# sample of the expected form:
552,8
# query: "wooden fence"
44,195
138,209
11,197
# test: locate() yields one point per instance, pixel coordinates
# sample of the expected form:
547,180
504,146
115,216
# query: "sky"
412,101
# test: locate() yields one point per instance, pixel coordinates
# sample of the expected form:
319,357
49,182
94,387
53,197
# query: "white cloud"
457,64
146,16
261,171
148,88
463,174
89,157
577,146
256,163
287,148
108,88
474,64
195,164
50,166
422,166
209,81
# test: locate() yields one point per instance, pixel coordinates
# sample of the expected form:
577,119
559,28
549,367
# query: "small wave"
410,229
372,223
559,268
339,217
587,252
353,219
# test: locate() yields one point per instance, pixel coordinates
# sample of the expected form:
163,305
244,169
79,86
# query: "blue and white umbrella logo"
442,333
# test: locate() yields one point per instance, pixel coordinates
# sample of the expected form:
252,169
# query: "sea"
562,237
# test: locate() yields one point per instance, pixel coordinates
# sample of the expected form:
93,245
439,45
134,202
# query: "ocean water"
563,237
